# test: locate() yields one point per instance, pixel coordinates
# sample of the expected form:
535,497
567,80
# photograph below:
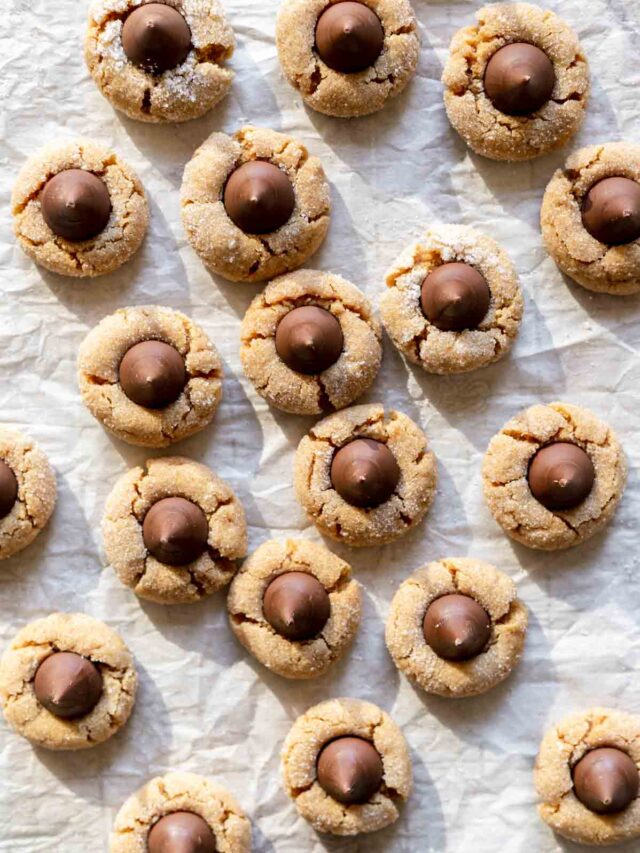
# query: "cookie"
453,301
255,204
347,59
150,375
587,774
365,476
553,476
516,83
160,62
456,627
295,607
67,682
27,491
346,766
181,811
310,342
597,247
173,531
78,209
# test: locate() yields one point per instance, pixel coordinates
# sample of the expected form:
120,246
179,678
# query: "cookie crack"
213,53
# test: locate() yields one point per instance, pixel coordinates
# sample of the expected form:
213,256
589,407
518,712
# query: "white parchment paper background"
204,705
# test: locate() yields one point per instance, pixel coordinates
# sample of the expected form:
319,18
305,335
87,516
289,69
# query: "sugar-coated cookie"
347,59
67,682
311,342
346,766
452,301
516,82
553,476
295,607
160,62
255,204
150,375
173,530
456,627
79,209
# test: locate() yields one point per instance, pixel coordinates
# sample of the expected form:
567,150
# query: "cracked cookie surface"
67,632
181,792
112,247
132,497
487,130
36,496
342,382
353,525
561,749
592,264
347,95
98,375
506,465
433,349
493,590
179,94
222,245
289,658
323,723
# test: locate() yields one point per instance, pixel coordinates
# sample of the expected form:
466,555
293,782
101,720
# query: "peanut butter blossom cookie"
294,607
160,62
456,627
453,301
346,766
347,59
181,813
591,218
553,476
27,491
150,375
587,777
254,205
310,342
173,531
79,210
67,682
365,476
516,83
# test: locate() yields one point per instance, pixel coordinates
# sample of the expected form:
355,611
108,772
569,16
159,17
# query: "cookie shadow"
170,146
615,313
362,143
141,743
477,403
443,531
551,569
473,719
259,841
342,239
197,627
294,427
347,677
89,300
65,553
70,549
514,186
345,241
212,445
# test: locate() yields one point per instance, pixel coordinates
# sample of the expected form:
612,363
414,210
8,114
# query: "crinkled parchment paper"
204,705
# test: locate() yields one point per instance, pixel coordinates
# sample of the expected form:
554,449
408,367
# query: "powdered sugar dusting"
183,84
460,243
